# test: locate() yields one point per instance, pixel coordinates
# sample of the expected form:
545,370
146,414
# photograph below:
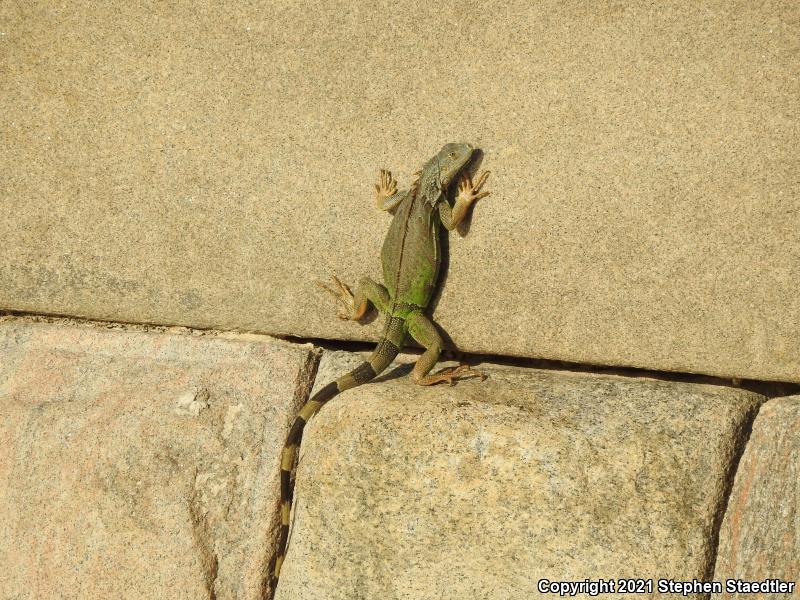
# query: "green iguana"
411,259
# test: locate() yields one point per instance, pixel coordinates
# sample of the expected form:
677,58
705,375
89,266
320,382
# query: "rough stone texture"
140,465
480,490
760,535
191,164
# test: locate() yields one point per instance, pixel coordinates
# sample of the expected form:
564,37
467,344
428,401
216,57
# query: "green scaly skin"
411,258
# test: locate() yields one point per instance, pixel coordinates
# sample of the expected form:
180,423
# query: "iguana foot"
386,186
342,295
469,192
450,374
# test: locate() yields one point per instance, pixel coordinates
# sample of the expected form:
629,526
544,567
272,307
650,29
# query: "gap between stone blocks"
769,389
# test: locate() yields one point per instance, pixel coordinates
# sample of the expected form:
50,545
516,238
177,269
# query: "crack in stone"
303,385
742,437
203,539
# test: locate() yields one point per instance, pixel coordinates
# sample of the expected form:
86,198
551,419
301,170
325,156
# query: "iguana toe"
343,296
450,374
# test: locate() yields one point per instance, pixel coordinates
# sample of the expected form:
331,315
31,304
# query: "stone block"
482,489
189,164
760,535
140,464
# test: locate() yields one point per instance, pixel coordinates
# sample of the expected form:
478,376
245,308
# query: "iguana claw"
468,191
450,374
386,186
342,295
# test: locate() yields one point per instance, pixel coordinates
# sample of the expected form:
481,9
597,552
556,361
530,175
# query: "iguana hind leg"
424,332
354,306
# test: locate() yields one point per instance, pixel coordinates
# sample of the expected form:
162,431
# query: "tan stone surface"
760,535
192,163
480,490
140,465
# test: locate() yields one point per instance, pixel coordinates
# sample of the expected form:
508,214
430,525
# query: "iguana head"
450,160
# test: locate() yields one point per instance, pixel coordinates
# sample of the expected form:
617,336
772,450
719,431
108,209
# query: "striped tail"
384,354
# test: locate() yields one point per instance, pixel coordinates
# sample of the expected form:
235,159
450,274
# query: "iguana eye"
453,154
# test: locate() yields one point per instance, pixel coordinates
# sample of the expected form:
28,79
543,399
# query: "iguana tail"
387,350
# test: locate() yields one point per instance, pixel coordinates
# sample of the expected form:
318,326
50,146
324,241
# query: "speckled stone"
482,489
188,163
138,465
760,535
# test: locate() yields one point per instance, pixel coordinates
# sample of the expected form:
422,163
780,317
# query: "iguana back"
410,253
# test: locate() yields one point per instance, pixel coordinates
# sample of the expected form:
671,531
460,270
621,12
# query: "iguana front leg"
386,195
468,193
354,306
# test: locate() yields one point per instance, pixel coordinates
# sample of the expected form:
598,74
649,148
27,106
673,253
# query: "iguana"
411,258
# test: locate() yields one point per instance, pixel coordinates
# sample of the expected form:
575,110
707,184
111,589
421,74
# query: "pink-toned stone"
760,535
140,465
